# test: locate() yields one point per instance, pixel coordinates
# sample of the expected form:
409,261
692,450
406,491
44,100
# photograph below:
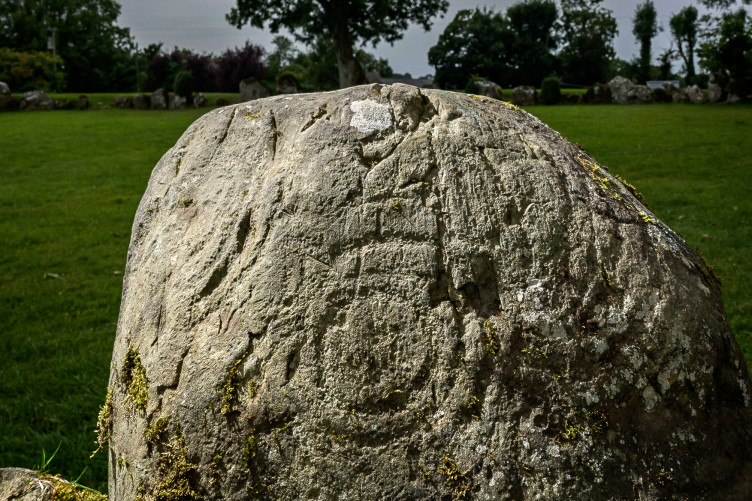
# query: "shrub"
470,88
550,90
183,85
24,71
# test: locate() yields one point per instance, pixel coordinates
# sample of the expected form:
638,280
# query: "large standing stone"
392,293
251,89
36,100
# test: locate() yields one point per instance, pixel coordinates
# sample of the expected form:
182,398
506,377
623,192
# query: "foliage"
475,42
346,24
550,90
24,71
209,73
727,50
645,28
183,85
94,49
588,31
237,64
369,62
533,23
722,4
684,31
511,49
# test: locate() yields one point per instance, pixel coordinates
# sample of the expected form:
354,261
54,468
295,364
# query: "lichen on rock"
401,293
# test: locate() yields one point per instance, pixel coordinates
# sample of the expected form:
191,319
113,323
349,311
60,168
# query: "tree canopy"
684,31
588,32
92,46
644,28
346,22
514,48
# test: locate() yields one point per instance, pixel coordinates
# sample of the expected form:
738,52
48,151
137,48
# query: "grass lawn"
72,182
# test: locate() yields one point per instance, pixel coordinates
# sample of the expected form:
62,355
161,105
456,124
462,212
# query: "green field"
72,181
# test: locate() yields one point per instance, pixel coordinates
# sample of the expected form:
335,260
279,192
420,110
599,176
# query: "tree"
645,28
533,23
346,22
722,4
476,42
684,30
588,32
727,52
85,32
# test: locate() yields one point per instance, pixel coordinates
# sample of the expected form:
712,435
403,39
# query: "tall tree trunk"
350,71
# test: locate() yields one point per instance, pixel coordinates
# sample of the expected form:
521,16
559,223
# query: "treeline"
535,39
77,46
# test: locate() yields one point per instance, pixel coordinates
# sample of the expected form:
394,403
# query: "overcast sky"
200,25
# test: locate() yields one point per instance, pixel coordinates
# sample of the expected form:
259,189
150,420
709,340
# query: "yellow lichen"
459,481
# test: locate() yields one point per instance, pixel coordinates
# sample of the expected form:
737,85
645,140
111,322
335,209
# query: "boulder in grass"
141,102
624,91
524,95
695,94
4,89
160,99
83,102
597,94
387,292
489,89
36,100
199,100
251,89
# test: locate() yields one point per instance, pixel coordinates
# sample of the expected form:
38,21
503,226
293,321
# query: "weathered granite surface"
388,292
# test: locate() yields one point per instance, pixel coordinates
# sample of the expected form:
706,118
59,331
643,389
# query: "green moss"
154,432
458,481
66,491
489,337
215,468
133,376
593,422
396,204
175,472
104,423
251,116
253,484
231,386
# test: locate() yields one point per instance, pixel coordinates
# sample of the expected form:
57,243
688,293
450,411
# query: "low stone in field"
387,292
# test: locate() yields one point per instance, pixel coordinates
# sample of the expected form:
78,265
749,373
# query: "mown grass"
106,99
72,182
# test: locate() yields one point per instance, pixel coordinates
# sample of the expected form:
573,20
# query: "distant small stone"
124,102
36,100
83,102
288,84
141,102
624,91
4,89
489,89
695,94
251,89
178,102
159,100
524,95
199,100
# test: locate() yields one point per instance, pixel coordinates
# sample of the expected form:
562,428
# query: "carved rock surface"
387,292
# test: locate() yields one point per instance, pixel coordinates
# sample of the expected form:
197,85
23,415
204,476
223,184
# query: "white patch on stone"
370,116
